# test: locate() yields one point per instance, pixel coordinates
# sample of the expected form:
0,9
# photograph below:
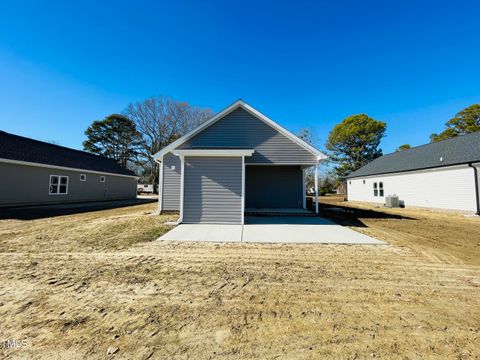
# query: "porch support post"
243,190
182,187
316,188
159,161
160,186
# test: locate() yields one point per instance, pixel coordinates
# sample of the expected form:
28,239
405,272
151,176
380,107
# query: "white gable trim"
214,152
237,104
282,130
412,171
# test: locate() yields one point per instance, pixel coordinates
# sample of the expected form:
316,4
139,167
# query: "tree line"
141,130
145,127
355,141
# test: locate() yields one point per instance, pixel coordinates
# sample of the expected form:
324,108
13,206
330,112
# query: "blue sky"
413,64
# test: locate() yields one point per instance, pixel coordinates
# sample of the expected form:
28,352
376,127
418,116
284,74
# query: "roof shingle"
14,147
458,150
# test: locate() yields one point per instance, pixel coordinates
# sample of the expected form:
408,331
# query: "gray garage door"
273,187
213,190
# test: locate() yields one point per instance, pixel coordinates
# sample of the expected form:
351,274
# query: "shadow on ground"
286,220
347,216
46,211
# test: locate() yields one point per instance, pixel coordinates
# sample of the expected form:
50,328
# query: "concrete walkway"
290,229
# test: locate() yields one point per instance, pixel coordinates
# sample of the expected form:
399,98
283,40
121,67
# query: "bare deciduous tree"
160,121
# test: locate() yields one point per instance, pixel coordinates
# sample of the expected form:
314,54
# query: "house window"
375,189
58,185
380,185
102,178
83,177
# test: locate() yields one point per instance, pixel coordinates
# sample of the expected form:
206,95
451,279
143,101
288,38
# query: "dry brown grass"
187,300
112,229
446,236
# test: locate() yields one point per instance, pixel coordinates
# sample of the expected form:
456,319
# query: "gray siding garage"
213,190
237,159
273,187
241,129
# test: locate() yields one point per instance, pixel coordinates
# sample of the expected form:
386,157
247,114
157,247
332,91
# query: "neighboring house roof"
458,150
240,104
19,148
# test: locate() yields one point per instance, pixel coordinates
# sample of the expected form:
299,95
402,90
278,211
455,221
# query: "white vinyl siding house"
444,188
441,175
203,174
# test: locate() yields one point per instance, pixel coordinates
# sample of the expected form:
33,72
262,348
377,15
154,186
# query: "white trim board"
413,171
27,163
243,190
214,152
240,104
182,187
160,186
281,164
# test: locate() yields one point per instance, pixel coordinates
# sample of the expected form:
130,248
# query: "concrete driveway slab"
291,229
205,232
305,230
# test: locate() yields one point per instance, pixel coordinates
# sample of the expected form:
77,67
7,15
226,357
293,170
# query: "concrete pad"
205,233
305,230
272,229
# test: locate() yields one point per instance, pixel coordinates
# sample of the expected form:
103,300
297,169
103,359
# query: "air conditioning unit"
391,201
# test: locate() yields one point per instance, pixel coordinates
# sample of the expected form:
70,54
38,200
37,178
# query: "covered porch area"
221,186
278,190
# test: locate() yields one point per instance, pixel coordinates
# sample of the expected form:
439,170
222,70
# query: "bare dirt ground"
76,286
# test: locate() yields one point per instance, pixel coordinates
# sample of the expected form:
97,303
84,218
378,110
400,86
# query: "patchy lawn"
112,229
442,235
76,286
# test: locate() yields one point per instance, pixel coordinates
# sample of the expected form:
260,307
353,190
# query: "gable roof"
240,104
462,149
19,148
